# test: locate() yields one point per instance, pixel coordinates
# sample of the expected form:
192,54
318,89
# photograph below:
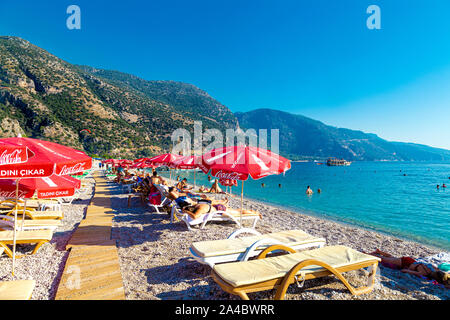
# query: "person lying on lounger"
184,199
409,265
197,210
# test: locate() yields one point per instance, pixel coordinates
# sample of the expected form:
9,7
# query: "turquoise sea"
397,198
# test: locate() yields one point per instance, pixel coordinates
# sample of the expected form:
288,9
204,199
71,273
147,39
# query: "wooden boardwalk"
92,271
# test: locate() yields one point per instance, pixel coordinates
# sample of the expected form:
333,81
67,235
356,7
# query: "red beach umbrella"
187,162
46,187
166,159
240,162
48,158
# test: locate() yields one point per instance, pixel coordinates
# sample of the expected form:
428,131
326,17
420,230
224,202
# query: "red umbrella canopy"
46,187
165,159
48,158
12,153
187,162
240,162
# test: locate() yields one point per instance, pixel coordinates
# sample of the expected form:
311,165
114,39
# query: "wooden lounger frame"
4,244
282,284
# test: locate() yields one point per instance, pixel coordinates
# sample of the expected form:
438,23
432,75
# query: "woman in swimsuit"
199,209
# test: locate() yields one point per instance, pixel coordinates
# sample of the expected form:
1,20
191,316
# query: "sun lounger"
164,199
278,272
216,216
7,222
16,290
25,237
241,249
35,215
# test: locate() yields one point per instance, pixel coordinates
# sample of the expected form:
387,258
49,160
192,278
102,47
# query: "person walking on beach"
309,191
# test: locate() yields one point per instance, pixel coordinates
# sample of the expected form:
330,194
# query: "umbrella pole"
15,226
194,178
242,201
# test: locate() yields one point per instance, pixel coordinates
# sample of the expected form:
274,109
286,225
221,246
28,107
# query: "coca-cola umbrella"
166,159
47,158
240,162
186,163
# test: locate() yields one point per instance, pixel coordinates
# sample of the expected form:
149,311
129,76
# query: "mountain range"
113,114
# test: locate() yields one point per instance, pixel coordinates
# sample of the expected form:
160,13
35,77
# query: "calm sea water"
397,198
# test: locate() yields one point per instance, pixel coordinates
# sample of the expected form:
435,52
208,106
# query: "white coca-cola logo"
11,158
227,175
79,167
12,194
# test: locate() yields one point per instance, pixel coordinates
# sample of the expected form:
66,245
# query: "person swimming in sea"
279,185
437,187
309,191
444,186
319,191
262,185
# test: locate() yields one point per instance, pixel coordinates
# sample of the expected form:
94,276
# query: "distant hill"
42,96
305,138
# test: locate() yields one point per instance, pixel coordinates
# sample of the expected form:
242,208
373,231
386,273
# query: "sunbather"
409,265
184,199
215,187
197,210
183,185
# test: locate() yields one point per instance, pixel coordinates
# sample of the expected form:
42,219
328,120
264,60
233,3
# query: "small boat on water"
337,162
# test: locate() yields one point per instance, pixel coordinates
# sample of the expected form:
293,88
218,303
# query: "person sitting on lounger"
184,199
409,265
197,210
215,187
183,185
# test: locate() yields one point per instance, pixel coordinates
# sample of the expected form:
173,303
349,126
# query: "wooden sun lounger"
8,223
35,215
278,272
235,249
16,290
24,237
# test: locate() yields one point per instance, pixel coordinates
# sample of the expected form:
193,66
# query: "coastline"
353,224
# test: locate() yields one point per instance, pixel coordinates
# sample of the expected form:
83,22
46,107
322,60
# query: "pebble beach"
155,262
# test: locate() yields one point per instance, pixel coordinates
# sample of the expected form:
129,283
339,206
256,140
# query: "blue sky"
315,58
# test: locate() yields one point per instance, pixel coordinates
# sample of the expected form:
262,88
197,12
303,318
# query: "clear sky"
315,58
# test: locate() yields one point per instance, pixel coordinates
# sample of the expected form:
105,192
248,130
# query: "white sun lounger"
241,249
278,272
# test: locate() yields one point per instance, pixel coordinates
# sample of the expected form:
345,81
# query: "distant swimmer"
404,174
437,187
444,186
279,185
263,185
319,191
309,191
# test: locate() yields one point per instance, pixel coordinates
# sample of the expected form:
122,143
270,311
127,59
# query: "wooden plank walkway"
92,271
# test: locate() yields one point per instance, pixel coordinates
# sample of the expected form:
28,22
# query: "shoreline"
345,223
